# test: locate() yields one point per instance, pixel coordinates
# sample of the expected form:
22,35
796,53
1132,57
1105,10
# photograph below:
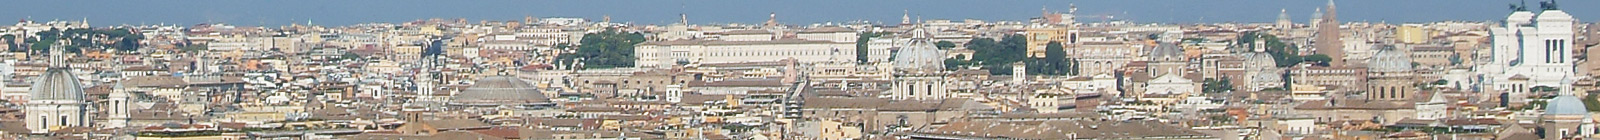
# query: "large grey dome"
1389,61
56,84
1267,77
499,90
1566,105
1167,52
1259,61
919,55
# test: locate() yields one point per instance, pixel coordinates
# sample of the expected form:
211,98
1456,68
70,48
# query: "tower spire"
1044,11
772,19
1283,14
57,55
1283,20
1333,13
1328,37
905,18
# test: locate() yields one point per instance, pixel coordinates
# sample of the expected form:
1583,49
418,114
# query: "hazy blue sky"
345,12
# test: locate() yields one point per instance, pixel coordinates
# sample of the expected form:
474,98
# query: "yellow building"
830,130
1412,34
1039,37
430,30
407,53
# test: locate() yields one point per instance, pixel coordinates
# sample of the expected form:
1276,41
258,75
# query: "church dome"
919,55
500,90
1389,61
1167,52
1259,61
1267,77
1565,105
56,84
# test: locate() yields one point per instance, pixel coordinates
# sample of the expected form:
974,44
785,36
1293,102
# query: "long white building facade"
1530,50
748,46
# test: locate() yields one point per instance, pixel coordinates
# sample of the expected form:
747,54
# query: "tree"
123,39
1319,59
349,56
1590,102
861,46
1544,89
954,63
607,49
1287,77
1286,55
1216,86
1055,60
10,40
945,45
1441,82
194,48
997,56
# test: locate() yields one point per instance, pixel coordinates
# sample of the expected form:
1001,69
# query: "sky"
347,12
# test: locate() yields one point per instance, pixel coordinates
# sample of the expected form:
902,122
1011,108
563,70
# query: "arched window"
1392,93
903,119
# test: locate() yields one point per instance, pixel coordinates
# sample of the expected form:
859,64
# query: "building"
1097,58
1412,34
1347,78
495,91
1328,38
1390,77
919,70
1530,50
812,46
118,106
57,97
1284,25
1566,117
1042,35
1260,72
1167,58
1437,56
1052,27
1168,67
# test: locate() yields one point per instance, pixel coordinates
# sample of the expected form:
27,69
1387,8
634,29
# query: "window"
1548,44
1561,46
1564,133
1394,93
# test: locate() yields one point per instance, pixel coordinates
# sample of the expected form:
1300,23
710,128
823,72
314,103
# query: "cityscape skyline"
339,13
767,70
